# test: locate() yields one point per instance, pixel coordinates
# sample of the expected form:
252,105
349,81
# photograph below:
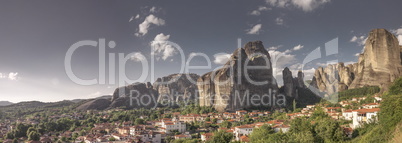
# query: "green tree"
30,129
225,124
262,133
34,136
112,139
139,121
221,137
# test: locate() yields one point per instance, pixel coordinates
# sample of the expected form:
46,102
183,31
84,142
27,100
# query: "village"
178,126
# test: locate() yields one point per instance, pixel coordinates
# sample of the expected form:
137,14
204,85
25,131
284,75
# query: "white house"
364,116
281,127
168,126
242,130
347,115
151,136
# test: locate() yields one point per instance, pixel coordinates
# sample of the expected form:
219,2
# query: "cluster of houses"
175,127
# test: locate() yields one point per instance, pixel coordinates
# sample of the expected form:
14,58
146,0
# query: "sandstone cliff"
290,84
177,87
231,87
379,65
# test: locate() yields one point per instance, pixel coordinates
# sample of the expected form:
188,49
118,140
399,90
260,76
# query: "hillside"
389,126
5,103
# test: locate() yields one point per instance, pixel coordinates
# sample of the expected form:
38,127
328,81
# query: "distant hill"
37,104
109,97
5,103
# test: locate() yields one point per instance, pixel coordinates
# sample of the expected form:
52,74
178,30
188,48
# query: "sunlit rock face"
230,87
379,65
177,87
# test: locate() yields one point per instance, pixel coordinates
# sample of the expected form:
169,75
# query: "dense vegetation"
318,128
389,117
358,92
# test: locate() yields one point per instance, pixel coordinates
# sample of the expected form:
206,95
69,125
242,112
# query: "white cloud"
2,76
154,9
274,47
132,17
137,56
298,47
279,21
360,40
357,54
280,59
255,30
221,58
10,76
259,10
398,33
162,47
305,5
150,19
255,12
13,76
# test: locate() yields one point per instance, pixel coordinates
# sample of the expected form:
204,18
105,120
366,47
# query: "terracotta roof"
367,110
245,126
244,139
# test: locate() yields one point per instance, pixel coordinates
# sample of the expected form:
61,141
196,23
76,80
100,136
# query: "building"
242,130
189,117
154,137
183,136
206,136
281,128
371,105
241,112
347,115
169,126
361,116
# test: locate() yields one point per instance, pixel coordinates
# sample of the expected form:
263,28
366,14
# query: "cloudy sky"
35,38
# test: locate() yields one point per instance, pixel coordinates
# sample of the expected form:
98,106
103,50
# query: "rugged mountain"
379,65
177,87
5,103
290,84
231,87
135,95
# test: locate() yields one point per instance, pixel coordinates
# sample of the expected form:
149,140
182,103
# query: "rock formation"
231,87
290,84
379,65
177,87
133,96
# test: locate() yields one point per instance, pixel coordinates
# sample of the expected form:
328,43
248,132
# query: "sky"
36,37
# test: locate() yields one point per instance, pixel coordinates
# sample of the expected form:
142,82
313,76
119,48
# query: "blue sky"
35,37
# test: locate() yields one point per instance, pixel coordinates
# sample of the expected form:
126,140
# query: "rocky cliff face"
378,65
121,96
177,87
290,84
230,87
